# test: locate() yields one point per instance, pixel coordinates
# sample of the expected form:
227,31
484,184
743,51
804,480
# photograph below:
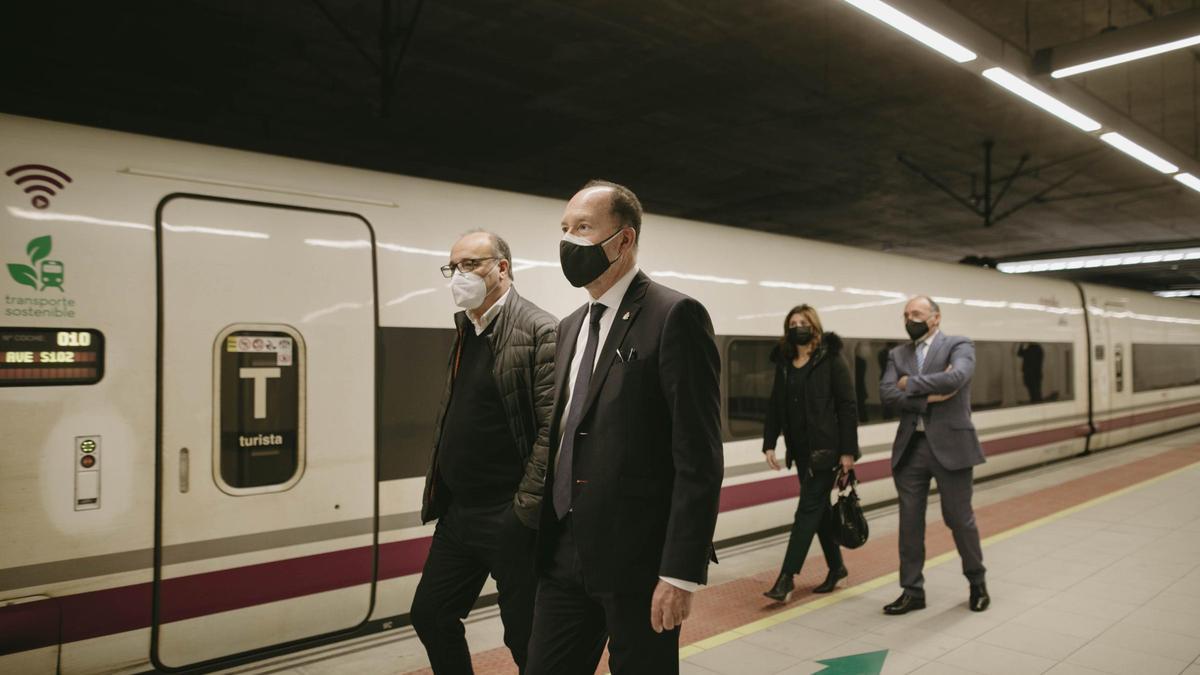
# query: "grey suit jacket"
948,424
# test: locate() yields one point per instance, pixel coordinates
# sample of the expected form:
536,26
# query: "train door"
267,500
1112,387
1101,357
1120,423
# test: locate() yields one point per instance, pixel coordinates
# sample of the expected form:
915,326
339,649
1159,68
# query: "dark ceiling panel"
785,116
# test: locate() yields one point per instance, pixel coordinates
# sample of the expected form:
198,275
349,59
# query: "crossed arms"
914,393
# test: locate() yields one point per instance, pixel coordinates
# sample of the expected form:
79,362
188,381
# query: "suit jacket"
948,424
648,446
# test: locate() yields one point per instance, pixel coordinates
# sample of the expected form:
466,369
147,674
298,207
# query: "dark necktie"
564,469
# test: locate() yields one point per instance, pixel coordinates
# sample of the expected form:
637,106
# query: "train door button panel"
87,473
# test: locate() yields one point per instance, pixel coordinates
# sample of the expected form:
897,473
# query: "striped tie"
920,367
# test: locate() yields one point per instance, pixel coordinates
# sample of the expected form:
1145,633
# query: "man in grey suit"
929,380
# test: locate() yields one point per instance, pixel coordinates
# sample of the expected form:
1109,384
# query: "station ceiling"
804,117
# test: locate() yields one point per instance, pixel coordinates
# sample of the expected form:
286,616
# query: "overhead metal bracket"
386,67
1116,41
985,205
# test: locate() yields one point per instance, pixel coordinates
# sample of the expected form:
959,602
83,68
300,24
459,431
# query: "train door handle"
184,470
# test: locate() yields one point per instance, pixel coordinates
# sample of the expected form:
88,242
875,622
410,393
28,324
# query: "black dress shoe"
904,604
830,582
782,590
980,600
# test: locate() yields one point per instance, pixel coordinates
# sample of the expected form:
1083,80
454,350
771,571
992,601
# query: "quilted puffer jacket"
523,343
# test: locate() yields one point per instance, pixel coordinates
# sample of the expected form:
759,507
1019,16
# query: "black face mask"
584,264
916,329
800,335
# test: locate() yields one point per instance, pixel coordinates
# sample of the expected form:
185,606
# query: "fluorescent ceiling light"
882,294
1189,180
1040,98
1128,56
915,29
216,230
1191,293
409,249
339,243
798,286
73,218
699,277
1138,152
1094,261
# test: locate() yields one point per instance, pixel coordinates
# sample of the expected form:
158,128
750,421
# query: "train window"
259,428
50,356
1011,374
751,374
1007,374
412,376
1165,366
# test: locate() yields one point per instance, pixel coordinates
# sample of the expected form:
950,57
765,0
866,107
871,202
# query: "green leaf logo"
23,274
38,248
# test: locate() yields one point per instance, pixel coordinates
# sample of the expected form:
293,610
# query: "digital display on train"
50,356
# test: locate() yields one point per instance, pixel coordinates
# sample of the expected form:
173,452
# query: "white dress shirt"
612,300
484,321
928,342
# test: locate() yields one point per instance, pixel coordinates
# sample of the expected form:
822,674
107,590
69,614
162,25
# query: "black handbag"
848,517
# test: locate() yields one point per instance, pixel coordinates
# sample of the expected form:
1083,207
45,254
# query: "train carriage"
219,373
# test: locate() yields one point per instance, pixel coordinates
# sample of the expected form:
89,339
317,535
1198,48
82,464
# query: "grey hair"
500,249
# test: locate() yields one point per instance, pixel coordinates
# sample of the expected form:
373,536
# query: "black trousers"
572,623
813,517
468,544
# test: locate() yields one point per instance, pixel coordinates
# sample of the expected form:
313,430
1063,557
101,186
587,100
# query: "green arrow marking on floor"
868,663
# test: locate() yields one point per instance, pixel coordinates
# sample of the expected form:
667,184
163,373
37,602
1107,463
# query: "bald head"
623,204
923,302
483,244
923,310
609,216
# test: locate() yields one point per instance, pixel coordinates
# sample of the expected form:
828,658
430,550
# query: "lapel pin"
626,317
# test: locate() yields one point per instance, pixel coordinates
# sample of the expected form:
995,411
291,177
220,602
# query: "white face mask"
469,289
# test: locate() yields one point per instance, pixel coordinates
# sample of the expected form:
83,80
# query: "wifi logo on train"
39,181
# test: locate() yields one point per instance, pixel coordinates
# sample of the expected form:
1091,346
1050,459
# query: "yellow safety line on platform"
868,586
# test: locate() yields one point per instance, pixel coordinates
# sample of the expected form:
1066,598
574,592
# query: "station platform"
1093,567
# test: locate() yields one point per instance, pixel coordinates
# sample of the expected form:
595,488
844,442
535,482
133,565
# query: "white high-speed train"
219,372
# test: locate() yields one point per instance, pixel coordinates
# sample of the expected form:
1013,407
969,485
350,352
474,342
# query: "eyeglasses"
464,266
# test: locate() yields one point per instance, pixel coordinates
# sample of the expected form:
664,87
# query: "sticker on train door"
260,410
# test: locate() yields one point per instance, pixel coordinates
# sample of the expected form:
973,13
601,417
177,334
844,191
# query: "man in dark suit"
634,477
929,379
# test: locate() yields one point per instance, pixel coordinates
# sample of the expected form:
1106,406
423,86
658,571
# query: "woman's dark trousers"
813,517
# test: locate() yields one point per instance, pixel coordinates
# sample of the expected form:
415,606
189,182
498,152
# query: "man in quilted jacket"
484,485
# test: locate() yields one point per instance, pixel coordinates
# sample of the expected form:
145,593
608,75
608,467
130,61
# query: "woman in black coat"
813,406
